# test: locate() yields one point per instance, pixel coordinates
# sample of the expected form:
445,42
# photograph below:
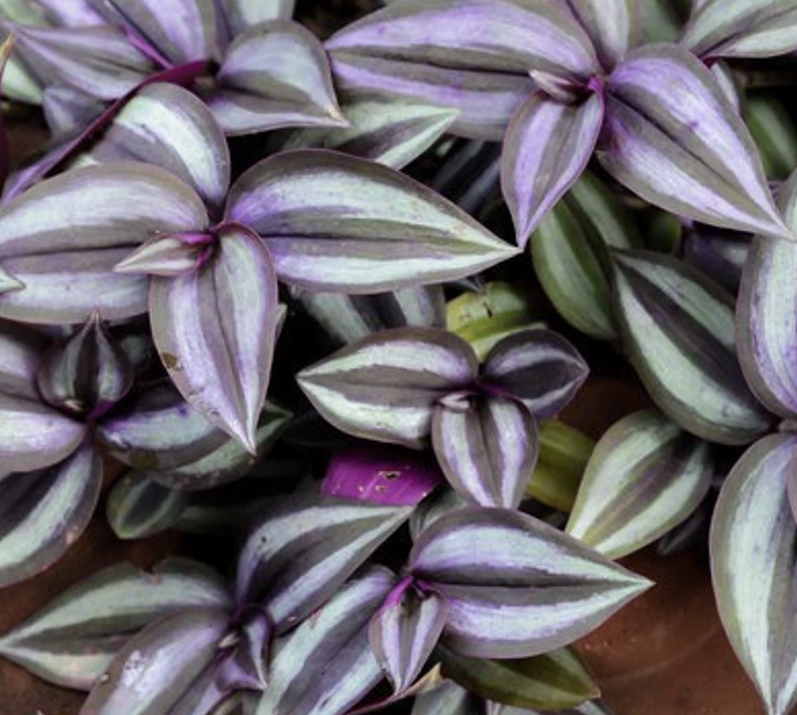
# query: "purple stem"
146,48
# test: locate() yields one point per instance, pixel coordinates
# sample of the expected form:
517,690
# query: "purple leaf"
742,28
753,544
159,431
68,110
325,666
711,172
547,146
348,318
497,36
721,255
168,126
678,333
153,671
34,436
381,474
215,330
62,238
548,588
71,13
88,374
385,386
484,101
338,223
304,548
766,324
405,630
244,14
537,366
73,639
612,26
230,460
488,450
96,60
250,660
391,133
5,54
21,350
180,31
138,507
274,75
44,513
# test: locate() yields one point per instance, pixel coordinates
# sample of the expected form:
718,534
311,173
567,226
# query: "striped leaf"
753,546
644,478
86,375
774,132
569,251
539,367
348,318
168,126
549,589
71,13
486,317
68,110
436,506
591,707
179,31
721,255
612,26
73,639
138,507
304,548
97,60
381,474
158,430
63,237
712,173
552,681
21,350
391,133
742,28
274,75
448,698
34,435
5,53
385,386
766,325
338,223
44,513
678,332
215,331
546,148
229,461
487,448
151,673
404,632
483,101
325,666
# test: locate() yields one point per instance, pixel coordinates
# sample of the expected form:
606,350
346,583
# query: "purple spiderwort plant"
565,81
209,254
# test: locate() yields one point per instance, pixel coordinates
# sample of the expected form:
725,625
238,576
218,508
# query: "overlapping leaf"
710,173
304,548
335,222
487,448
753,546
325,666
73,639
138,507
385,386
242,14
548,588
644,478
742,28
612,26
546,148
678,332
215,330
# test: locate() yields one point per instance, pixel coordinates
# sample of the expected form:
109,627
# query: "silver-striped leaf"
302,550
73,639
644,477
678,332
548,588
138,507
338,223
611,25
753,554
385,386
